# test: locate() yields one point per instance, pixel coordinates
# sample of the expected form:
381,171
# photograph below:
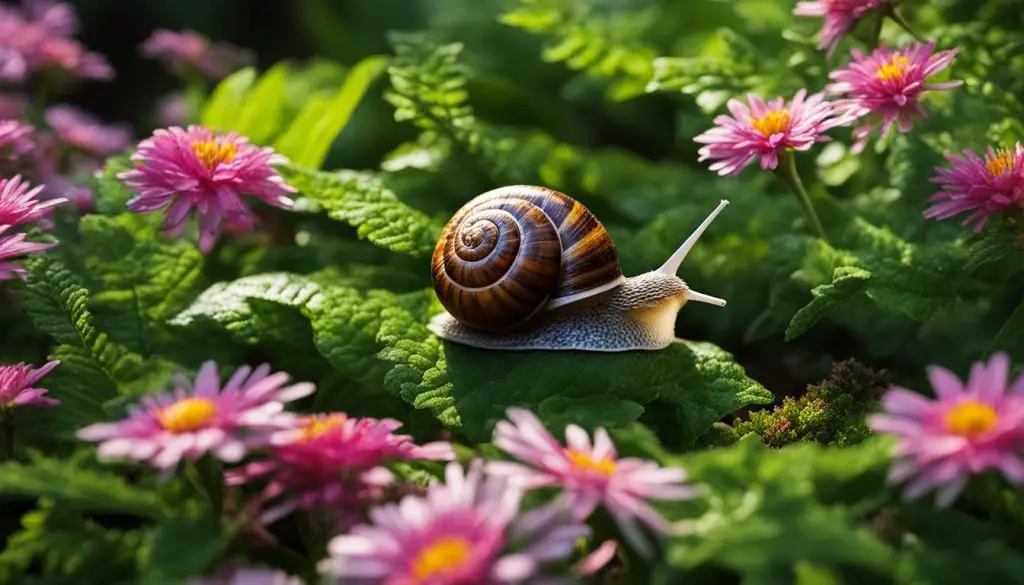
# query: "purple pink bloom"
15,246
840,17
763,129
198,168
81,130
15,140
18,383
981,187
886,86
467,530
968,428
188,49
332,461
39,37
19,204
590,474
193,421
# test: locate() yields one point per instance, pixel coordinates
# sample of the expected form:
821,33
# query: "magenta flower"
39,37
181,169
19,204
332,460
463,531
764,129
191,422
840,17
188,49
965,430
17,383
589,474
886,86
983,187
14,139
15,246
82,130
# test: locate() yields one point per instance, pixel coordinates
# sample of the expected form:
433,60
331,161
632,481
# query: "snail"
529,268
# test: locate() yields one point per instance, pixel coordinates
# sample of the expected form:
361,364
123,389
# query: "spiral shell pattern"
510,251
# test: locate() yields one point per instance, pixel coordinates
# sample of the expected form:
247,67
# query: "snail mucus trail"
529,268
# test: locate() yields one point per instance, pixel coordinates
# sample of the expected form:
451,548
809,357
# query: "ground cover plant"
215,360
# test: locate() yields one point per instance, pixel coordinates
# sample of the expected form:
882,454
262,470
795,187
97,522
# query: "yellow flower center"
970,419
442,555
1001,162
771,123
604,467
187,415
212,153
894,69
319,425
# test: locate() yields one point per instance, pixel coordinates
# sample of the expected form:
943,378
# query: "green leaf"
111,193
258,116
309,137
228,99
78,488
847,282
361,200
182,548
1010,337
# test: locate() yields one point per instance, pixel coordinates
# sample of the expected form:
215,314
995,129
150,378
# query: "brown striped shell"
512,251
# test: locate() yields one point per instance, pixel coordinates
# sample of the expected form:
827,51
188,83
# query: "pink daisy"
984,187
191,422
84,131
764,129
14,139
17,385
181,169
886,86
467,530
324,461
19,204
590,474
15,246
191,50
965,430
39,36
840,17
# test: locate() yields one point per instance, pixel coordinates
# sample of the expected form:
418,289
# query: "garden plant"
220,358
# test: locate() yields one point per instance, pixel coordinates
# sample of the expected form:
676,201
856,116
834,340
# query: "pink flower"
463,531
764,129
589,474
181,169
82,130
965,430
17,385
191,422
13,247
18,203
326,460
840,16
190,50
248,576
887,84
39,36
14,139
172,109
984,187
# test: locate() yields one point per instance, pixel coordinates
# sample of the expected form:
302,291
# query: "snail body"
529,268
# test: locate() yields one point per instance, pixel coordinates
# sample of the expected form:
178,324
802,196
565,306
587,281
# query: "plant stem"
787,171
876,32
895,16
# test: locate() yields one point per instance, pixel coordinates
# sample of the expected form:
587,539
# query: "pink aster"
39,36
326,461
19,203
764,129
84,131
17,385
886,86
15,141
466,531
968,428
591,474
190,50
983,187
198,168
840,17
15,246
194,420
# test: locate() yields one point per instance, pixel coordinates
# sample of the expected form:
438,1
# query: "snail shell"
513,251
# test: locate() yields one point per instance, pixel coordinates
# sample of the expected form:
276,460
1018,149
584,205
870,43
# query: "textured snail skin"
640,314
515,250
